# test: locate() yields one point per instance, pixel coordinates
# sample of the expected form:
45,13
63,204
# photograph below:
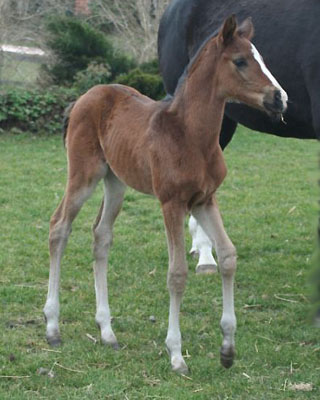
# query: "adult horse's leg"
201,246
209,218
174,215
79,189
102,230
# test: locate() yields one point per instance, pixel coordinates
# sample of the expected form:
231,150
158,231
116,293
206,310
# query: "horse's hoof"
206,269
180,368
54,341
227,357
177,363
113,344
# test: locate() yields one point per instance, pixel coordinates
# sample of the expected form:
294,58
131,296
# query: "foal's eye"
240,62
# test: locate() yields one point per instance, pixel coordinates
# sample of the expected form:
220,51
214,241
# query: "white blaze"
259,59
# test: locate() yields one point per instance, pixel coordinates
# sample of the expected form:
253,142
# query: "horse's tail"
65,121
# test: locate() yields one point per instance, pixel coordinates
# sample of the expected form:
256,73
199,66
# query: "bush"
76,44
34,110
150,67
95,74
120,64
148,84
41,111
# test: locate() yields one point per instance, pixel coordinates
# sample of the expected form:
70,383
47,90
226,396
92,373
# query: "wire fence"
20,65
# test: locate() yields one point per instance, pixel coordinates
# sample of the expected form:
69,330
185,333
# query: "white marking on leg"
228,320
210,220
204,246
173,339
114,192
58,240
193,232
103,317
257,56
59,233
201,245
177,275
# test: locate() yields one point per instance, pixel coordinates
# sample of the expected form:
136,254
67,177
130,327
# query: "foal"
169,149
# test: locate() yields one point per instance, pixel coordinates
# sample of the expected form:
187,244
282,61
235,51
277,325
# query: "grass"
269,206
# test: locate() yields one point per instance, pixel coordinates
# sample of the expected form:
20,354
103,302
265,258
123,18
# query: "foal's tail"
65,121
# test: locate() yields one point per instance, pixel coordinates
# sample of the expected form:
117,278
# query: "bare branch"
135,22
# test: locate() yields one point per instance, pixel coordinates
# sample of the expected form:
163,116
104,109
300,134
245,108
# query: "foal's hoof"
54,341
177,363
227,357
180,367
114,344
206,269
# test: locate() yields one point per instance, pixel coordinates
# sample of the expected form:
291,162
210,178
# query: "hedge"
35,110
148,84
41,110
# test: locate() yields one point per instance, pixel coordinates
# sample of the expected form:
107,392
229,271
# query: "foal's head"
242,74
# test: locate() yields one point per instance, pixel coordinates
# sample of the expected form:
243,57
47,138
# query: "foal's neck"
197,102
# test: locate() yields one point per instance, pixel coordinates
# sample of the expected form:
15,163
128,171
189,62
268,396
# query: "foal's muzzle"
275,102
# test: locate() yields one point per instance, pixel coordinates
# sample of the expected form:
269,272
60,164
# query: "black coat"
287,34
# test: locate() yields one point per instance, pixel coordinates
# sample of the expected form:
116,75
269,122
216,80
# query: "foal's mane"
192,62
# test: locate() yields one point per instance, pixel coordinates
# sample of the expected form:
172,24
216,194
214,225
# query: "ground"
269,206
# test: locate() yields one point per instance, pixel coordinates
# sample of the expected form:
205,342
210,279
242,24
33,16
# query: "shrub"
76,45
95,74
150,67
148,84
120,64
41,111
34,110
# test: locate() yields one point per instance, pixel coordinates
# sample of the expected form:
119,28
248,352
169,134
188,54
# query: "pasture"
269,206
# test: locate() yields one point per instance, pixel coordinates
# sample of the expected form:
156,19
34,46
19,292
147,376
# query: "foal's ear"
228,29
246,29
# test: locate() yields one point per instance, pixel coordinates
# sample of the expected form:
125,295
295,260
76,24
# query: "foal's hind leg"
102,230
209,218
201,246
81,184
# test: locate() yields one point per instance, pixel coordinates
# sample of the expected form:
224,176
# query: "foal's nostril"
275,101
278,104
277,95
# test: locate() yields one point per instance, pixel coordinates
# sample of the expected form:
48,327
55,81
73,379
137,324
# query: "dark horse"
295,59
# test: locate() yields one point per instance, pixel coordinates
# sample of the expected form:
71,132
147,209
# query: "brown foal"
169,149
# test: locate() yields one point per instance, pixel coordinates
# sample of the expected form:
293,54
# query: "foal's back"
111,123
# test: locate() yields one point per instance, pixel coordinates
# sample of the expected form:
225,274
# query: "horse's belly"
130,166
140,182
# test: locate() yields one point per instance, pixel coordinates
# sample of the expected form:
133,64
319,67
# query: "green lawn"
269,206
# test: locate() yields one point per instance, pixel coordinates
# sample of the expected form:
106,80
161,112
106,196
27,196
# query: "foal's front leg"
209,218
174,215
